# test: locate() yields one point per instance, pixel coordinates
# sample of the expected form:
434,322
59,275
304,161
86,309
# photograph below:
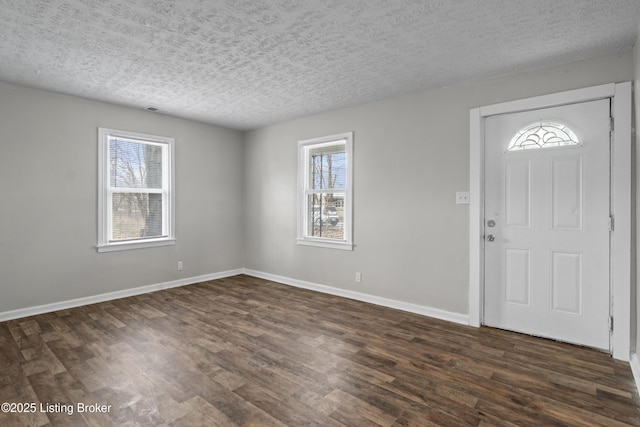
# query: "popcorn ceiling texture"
245,64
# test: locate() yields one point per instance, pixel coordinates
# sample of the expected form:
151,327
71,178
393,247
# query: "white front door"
547,196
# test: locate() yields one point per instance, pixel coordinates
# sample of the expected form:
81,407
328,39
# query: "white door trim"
620,95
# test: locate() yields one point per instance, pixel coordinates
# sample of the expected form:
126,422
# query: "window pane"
136,215
327,167
326,215
544,134
134,164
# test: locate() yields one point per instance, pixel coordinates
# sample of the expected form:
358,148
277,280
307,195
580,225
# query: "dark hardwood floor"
246,352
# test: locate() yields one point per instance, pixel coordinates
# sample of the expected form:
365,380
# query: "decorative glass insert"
543,134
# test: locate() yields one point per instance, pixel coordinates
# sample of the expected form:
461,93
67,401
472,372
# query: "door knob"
491,238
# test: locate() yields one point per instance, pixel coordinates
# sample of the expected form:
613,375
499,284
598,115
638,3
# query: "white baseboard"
385,302
635,368
63,305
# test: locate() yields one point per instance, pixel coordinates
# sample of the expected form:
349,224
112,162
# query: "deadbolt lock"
491,223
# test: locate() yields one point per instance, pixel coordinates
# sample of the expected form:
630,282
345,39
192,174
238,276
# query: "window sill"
124,246
345,246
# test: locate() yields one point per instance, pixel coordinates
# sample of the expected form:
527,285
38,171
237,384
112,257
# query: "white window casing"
136,202
325,191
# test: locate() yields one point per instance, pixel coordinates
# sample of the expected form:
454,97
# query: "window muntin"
324,212
136,199
543,134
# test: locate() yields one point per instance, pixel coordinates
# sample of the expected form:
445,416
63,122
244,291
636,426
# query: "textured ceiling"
248,63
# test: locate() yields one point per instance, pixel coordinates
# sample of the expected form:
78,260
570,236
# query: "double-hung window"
135,203
325,191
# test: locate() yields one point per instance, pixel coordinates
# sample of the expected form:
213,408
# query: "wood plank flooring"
247,352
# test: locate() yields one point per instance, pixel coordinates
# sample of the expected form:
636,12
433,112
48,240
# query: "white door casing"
620,96
546,212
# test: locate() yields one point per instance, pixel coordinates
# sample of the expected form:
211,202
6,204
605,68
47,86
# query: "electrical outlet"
358,277
179,265
462,198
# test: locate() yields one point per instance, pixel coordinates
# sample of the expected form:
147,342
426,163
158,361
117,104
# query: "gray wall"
236,193
411,156
48,206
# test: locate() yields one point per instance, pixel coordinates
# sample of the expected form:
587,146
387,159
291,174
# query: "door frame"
620,245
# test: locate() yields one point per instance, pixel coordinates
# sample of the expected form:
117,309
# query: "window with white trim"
325,175
136,201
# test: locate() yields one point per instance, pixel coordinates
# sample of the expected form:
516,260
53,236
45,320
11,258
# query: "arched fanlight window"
543,134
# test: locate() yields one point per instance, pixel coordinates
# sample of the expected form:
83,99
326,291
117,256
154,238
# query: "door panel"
566,203
518,192
518,276
547,262
566,282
